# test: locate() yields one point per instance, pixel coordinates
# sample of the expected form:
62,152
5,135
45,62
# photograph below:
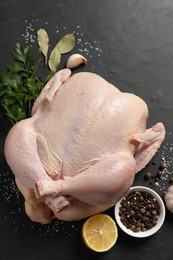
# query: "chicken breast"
79,152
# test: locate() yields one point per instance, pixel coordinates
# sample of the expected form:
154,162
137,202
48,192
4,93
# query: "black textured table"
130,44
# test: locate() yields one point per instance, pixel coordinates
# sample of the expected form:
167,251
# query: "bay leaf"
54,59
67,43
43,42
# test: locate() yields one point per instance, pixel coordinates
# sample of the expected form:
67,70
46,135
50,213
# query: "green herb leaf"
66,44
43,42
54,59
19,85
23,55
18,53
15,67
14,113
3,92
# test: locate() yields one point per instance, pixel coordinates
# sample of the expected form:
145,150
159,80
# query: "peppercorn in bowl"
141,212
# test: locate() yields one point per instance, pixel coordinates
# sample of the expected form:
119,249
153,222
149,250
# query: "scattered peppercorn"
139,211
148,175
171,180
155,177
154,162
159,174
161,167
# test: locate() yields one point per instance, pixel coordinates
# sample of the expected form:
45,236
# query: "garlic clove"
169,198
75,60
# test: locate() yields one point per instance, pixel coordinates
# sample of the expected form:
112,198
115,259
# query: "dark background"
129,43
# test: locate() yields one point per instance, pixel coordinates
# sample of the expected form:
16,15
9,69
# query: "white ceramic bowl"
148,232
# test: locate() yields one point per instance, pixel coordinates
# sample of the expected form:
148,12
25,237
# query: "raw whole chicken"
79,152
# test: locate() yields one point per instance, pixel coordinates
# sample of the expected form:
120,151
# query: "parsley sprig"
20,85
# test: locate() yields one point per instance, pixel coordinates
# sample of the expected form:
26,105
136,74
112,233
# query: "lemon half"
99,232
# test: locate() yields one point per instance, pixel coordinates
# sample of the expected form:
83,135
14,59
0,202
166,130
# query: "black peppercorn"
139,211
132,212
171,180
162,167
142,210
148,175
159,174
